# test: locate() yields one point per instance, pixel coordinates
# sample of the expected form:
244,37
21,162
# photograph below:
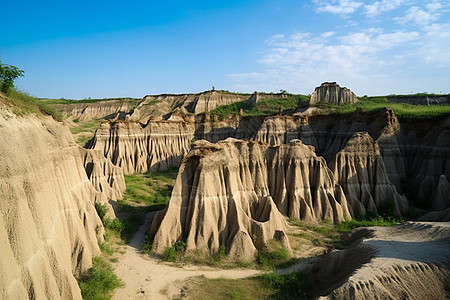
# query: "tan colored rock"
331,92
160,105
49,229
410,261
360,170
138,148
231,193
105,177
107,109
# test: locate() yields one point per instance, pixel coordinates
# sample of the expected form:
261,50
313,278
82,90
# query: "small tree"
8,74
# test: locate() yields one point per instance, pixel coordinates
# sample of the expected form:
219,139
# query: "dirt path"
148,278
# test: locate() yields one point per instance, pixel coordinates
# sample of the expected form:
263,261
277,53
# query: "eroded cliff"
235,193
48,224
135,147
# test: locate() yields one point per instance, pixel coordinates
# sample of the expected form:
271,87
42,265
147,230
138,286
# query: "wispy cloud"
407,48
341,7
378,7
418,16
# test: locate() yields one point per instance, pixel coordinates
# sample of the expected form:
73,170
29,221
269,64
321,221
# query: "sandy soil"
148,278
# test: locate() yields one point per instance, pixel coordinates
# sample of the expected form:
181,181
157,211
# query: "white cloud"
418,16
436,43
379,7
434,6
341,7
327,34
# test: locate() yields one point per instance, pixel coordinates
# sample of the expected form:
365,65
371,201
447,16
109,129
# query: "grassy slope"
264,107
268,107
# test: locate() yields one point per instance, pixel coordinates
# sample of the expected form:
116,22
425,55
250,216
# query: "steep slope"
48,224
107,109
409,261
360,170
160,105
225,192
137,148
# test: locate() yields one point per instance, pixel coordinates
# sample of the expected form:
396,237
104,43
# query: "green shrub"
295,285
102,210
219,256
148,242
115,225
278,258
170,254
364,221
174,252
99,282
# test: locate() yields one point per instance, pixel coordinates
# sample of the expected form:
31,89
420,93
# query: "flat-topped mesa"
331,92
235,193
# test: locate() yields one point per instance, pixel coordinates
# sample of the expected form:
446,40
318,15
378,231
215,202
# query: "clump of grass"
365,221
173,253
264,107
99,281
23,104
150,189
222,288
295,285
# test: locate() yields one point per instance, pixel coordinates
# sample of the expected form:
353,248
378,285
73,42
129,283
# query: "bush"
170,254
278,258
174,252
99,281
115,225
219,255
295,285
102,210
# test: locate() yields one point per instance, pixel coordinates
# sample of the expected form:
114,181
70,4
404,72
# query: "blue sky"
98,49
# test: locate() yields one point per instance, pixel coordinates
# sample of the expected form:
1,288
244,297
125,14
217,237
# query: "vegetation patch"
24,104
84,129
150,189
296,285
264,107
99,282
404,111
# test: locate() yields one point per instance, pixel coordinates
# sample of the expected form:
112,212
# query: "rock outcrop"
106,109
160,105
48,224
421,99
135,147
360,170
235,192
106,178
331,92
409,261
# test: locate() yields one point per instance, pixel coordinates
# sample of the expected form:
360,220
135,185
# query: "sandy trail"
148,278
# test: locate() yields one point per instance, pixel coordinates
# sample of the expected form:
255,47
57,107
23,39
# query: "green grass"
150,189
224,289
72,101
296,285
404,111
86,127
23,104
264,107
329,235
99,281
